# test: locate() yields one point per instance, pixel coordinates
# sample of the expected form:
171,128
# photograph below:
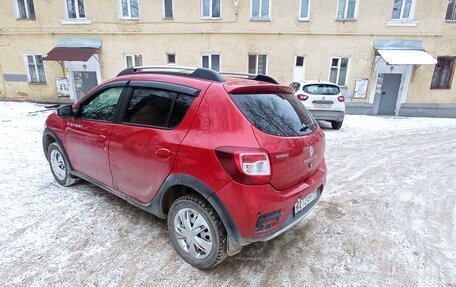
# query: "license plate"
322,106
303,202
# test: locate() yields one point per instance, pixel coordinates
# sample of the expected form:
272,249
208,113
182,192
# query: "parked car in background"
323,100
227,160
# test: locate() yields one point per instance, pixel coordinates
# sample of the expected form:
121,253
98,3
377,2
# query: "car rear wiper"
306,127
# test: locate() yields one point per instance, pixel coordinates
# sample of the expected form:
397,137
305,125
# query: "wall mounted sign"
63,87
361,88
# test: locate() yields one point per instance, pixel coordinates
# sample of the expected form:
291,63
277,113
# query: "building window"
168,9
133,60
171,58
451,11
304,8
403,10
210,8
347,9
25,9
130,9
211,61
299,61
258,64
443,73
260,9
339,70
75,9
36,73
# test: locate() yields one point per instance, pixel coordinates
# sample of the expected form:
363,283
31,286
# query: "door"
143,147
84,82
284,128
87,135
389,95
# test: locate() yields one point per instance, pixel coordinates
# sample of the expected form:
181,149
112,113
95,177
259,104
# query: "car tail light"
245,165
341,99
303,97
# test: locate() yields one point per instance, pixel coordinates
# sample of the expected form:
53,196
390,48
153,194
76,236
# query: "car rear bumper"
289,223
248,204
328,115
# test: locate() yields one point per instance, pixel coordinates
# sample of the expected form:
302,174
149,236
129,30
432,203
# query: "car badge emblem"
311,151
323,98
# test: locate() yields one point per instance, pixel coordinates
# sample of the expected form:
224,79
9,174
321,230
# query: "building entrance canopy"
70,54
73,50
400,52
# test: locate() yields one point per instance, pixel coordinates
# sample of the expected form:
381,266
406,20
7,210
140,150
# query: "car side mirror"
65,111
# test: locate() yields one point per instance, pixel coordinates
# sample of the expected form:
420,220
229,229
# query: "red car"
228,160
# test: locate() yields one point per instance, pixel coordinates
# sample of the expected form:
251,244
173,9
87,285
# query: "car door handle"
163,152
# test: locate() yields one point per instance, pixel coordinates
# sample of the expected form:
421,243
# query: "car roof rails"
200,73
255,77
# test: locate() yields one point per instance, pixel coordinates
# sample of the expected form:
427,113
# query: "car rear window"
322,89
276,114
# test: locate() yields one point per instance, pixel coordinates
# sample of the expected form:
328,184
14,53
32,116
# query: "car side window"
102,106
181,106
295,86
159,108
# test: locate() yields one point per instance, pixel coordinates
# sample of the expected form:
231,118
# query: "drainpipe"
3,80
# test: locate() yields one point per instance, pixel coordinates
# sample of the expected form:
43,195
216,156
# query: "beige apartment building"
391,57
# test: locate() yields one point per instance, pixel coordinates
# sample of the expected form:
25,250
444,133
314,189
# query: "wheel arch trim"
50,132
156,206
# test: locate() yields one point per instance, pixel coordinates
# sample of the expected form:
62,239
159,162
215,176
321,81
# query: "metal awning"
70,54
403,52
407,57
74,49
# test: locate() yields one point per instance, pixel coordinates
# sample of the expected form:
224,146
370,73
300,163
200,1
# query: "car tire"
336,125
59,166
197,232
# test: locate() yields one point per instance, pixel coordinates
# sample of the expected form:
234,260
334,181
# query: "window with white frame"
451,11
25,9
339,70
133,60
258,64
403,9
168,9
304,8
75,9
210,8
347,9
129,9
260,9
171,58
211,61
36,73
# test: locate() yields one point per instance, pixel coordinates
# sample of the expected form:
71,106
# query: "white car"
323,100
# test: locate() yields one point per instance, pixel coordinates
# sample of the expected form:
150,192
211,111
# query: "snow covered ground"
387,217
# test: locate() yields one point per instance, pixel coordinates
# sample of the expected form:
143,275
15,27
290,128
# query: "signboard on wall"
361,88
63,87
